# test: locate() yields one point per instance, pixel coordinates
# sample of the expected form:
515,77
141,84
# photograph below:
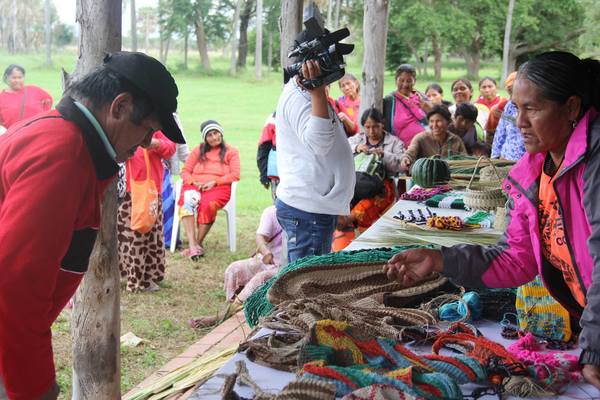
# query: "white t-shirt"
314,159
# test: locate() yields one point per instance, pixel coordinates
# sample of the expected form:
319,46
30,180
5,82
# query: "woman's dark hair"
442,111
487,78
9,70
103,85
466,110
406,68
560,75
463,80
435,87
372,113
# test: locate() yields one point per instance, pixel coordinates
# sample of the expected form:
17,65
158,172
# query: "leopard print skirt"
141,255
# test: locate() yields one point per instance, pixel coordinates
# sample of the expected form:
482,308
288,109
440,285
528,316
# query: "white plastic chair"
229,209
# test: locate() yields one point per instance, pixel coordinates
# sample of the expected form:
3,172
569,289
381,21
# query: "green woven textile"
257,305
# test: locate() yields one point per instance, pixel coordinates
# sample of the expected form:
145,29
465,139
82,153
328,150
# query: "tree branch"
519,48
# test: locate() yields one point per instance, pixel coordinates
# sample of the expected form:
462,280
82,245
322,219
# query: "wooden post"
290,25
259,40
96,316
375,25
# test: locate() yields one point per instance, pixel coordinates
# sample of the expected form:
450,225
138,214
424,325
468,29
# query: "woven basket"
484,198
500,219
488,174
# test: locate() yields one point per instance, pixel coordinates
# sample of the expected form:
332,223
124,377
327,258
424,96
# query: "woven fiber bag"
484,198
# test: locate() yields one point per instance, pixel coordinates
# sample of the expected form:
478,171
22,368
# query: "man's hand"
412,266
52,394
405,164
591,373
318,97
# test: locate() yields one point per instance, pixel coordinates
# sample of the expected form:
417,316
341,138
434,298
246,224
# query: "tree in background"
247,11
22,24
147,20
542,25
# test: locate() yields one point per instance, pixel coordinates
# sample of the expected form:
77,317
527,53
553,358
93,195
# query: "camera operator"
315,165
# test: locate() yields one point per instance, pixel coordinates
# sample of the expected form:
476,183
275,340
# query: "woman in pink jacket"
554,202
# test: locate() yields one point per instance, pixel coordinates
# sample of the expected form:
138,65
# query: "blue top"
508,141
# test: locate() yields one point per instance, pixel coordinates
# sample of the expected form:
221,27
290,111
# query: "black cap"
152,78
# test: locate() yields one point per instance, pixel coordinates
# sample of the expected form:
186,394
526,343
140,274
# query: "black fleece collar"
105,166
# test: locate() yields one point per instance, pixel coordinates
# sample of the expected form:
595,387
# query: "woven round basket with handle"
484,198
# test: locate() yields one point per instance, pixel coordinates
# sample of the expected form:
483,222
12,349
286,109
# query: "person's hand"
268,258
266,185
198,185
591,373
362,148
343,117
412,266
52,394
377,150
154,143
405,164
312,70
208,186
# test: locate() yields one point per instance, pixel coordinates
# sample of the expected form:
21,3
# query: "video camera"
320,45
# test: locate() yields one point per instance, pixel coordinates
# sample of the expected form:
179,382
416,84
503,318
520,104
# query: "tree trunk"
96,320
375,26
234,42
12,44
290,25
259,41
133,26
185,48
48,31
507,31
201,41
329,13
336,23
472,57
437,58
161,50
147,23
243,42
270,53
167,45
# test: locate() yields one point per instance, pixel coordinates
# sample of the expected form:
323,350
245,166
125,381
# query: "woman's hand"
377,150
591,373
405,164
268,258
208,186
362,148
412,266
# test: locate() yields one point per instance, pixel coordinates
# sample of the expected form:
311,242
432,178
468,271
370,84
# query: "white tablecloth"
272,381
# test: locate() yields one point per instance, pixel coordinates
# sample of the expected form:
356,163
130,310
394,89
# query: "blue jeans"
308,234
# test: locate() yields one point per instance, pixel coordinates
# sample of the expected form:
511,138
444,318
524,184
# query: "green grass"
241,105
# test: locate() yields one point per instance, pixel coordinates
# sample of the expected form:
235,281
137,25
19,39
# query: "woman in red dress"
19,101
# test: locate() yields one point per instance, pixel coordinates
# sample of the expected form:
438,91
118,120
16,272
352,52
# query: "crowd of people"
331,171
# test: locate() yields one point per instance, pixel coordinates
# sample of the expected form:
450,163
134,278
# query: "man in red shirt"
54,168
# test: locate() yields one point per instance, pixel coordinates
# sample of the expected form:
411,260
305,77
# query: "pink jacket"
517,258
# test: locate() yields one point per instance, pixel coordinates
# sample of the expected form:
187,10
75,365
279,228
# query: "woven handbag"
484,197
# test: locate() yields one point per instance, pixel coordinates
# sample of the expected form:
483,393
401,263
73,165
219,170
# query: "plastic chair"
229,209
